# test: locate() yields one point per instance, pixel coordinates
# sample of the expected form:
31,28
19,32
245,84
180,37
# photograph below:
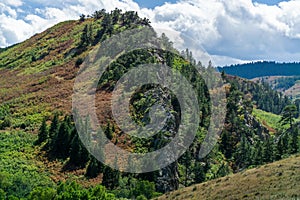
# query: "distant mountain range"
261,69
283,77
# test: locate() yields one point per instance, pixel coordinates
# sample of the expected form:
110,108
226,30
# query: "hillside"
279,180
37,76
36,87
283,77
288,85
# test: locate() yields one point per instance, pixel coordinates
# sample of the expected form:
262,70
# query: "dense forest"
261,69
244,142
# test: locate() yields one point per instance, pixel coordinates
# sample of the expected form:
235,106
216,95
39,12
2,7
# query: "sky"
224,31
152,4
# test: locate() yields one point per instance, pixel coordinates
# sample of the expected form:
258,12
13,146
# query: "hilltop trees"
105,24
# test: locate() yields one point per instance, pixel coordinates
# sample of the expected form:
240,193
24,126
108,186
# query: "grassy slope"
37,76
269,120
279,180
33,88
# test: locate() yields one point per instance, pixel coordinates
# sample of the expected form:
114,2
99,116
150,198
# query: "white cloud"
229,30
15,3
236,29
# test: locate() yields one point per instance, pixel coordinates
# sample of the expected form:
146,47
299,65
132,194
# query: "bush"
141,197
78,62
42,194
6,123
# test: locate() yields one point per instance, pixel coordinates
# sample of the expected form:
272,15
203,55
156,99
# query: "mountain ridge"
261,69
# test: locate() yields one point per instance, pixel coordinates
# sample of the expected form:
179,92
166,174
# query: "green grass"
42,51
269,120
19,172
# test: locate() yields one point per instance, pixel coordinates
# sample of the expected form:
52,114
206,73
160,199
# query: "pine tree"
267,154
61,142
199,172
288,114
54,125
85,39
111,177
94,168
53,131
293,141
243,153
186,160
43,133
225,144
79,155
108,132
257,154
222,171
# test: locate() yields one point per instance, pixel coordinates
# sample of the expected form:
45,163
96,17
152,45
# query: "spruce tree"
53,131
108,131
61,142
267,151
257,154
54,125
94,168
199,172
288,115
293,141
43,133
111,177
79,155
243,153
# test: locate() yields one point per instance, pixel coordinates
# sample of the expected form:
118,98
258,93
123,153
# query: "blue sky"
229,31
154,3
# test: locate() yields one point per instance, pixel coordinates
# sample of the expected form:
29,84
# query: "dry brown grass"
279,180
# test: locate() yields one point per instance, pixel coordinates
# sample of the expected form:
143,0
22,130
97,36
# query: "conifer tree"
43,133
53,131
54,125
111,177
108,131
199,172
79,155
288,114
257,153
61,142
94,168
294,141
243,153
267,154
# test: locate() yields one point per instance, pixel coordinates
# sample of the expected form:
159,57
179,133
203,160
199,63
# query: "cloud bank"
231,31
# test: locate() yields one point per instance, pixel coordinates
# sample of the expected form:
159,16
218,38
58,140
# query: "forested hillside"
37,125
261,69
